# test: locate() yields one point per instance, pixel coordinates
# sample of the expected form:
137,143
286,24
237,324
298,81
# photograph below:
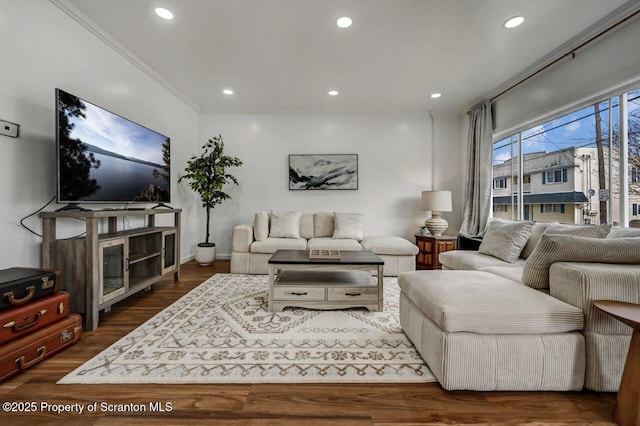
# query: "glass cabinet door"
168,251
114,264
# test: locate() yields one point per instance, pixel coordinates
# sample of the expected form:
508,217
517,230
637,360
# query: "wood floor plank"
274,404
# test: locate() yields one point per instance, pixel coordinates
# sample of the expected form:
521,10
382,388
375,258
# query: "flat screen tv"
105,158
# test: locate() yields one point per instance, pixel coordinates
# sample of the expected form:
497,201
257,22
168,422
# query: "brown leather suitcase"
21,285
22,353
20,320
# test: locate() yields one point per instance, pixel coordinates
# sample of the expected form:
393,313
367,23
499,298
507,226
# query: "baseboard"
193,256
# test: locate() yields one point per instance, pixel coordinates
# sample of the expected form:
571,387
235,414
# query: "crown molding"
107,39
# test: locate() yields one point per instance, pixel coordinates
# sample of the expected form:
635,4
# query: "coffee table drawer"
298,293
345,294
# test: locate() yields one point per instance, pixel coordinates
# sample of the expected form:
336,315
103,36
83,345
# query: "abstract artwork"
323,171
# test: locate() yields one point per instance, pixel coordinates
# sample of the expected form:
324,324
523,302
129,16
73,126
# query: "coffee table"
297,281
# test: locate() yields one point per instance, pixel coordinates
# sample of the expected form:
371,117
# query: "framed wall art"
323,171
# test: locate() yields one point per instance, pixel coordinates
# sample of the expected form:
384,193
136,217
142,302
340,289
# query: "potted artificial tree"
207,175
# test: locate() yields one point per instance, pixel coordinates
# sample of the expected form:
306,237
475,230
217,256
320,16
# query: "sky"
116,134
574,129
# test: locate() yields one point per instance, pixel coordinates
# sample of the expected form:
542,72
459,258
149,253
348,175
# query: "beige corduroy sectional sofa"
518,313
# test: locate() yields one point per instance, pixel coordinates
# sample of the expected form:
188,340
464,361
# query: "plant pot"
205,253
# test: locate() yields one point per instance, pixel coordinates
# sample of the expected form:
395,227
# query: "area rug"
222,332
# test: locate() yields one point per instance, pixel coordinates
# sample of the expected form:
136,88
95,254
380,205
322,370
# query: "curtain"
477,205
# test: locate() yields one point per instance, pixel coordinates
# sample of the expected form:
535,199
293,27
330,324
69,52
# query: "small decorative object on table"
324,254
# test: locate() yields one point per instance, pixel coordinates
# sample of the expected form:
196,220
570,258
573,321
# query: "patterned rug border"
114,366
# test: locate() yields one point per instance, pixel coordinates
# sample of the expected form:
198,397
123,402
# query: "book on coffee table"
324,254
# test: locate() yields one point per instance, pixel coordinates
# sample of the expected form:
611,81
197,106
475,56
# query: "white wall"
394,161
43,48
450,163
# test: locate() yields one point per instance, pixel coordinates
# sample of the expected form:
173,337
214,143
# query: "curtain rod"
571,53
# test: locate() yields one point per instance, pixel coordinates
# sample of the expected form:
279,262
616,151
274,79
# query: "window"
500,183
554,176
500,208
634,209
575,161
552,208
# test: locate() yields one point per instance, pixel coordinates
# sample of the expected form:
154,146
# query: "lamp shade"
439,201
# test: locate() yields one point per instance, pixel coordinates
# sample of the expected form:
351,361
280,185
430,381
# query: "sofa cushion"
261,226
536,233
323,224
579,284
472,260
270,245
513,273
389,245
593,231
505,239
306,225
284,224
560,248
348,225
620,232
325,243
480,302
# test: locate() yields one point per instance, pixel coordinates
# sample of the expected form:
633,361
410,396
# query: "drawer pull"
353,294
297,293
424,252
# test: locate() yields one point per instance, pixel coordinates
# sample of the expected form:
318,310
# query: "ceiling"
285,55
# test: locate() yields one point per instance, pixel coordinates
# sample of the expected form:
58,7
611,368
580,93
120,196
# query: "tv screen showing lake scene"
103,157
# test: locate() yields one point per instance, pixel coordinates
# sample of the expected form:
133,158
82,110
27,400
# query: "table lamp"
436,201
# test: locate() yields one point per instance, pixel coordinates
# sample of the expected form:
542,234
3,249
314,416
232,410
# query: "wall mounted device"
9,129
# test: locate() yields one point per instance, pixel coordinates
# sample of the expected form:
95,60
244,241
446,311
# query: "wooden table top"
348,257
628,313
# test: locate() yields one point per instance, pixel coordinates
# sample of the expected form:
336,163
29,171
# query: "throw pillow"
599,231
570,248
323,224
285,225
534,238
261,226
620,232
348,225
505,239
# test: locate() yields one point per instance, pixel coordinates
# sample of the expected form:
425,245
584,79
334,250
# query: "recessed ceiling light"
227,91
436,95
333,92
164,13
344,22
514,22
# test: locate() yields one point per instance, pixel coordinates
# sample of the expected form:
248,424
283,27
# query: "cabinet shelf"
134,232
101,269
139,257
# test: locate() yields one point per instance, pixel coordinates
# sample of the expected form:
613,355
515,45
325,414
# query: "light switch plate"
9,129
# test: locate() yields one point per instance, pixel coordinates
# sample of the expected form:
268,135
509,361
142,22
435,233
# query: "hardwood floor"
263,404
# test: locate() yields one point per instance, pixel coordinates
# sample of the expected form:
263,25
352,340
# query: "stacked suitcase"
35,322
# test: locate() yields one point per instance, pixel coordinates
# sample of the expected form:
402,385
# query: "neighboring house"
560,186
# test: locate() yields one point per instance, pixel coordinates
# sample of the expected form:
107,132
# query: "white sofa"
484,323
254,243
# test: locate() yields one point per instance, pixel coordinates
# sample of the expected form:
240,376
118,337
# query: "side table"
429,247
628,403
